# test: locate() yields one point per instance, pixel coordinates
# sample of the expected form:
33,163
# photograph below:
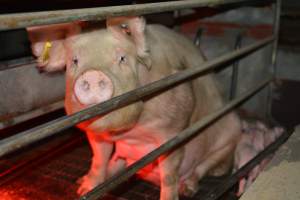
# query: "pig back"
174,52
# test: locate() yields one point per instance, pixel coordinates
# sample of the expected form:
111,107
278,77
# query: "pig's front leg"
169,174
102,151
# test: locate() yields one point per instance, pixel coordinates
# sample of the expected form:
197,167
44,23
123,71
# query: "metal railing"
53,127
12,21
21,20
181,138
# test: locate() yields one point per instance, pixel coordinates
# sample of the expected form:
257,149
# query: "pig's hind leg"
98,171
116,164
216,164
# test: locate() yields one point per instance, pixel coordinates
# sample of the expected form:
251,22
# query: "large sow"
105,62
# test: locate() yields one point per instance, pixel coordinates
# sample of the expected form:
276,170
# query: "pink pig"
256,137
106,62
250,144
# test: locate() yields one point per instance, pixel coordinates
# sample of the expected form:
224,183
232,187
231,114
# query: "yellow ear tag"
46,50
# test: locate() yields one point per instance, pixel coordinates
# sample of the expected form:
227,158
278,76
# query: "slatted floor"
49,170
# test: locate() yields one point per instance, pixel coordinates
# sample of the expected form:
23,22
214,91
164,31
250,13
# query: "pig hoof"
82,190
87,183
189,188
80,180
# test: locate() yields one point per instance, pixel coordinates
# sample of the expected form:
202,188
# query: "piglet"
269,137
250,144
256,136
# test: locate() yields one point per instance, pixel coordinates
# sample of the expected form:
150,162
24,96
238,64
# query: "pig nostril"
88,84
102,84
85,85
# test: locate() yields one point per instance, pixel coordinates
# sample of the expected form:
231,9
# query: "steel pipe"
10,64
276,28
235,69
31,114
181,138
22,139
21,20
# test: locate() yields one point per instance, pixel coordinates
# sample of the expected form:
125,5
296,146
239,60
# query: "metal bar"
197,41
276,34
182,137
276,28
225,185
21,20
31,114
22,139
235,69
10,64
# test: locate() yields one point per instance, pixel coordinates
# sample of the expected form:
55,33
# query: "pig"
255,138
269,137
250,144
106,62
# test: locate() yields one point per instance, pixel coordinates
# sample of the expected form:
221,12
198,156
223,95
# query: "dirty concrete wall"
252,69
257,66
255,24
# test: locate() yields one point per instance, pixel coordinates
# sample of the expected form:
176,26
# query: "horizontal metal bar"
231,181
31,114
10,64
21,20
181,138
48,129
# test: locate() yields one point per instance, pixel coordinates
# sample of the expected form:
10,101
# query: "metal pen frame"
13,21
22,20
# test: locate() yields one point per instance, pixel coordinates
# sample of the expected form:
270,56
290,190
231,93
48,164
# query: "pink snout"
93,87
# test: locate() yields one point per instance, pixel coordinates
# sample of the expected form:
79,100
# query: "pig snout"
93,87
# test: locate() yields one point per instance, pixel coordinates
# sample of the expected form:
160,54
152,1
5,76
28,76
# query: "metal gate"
13,143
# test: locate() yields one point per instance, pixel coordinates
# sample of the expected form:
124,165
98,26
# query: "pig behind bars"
106,62
256,136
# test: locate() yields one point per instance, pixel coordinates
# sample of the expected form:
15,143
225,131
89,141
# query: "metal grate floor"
49,170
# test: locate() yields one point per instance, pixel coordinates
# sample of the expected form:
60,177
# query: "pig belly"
133,152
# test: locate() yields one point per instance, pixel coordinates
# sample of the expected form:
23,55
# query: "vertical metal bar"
22,20
197,42
198,35
276,27
235,69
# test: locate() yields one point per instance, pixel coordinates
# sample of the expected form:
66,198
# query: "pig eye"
125,28
122,59
75,61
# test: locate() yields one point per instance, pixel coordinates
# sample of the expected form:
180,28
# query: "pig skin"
121,137
256,137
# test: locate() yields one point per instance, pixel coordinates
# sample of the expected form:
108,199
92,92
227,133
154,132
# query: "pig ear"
134,28
47,44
